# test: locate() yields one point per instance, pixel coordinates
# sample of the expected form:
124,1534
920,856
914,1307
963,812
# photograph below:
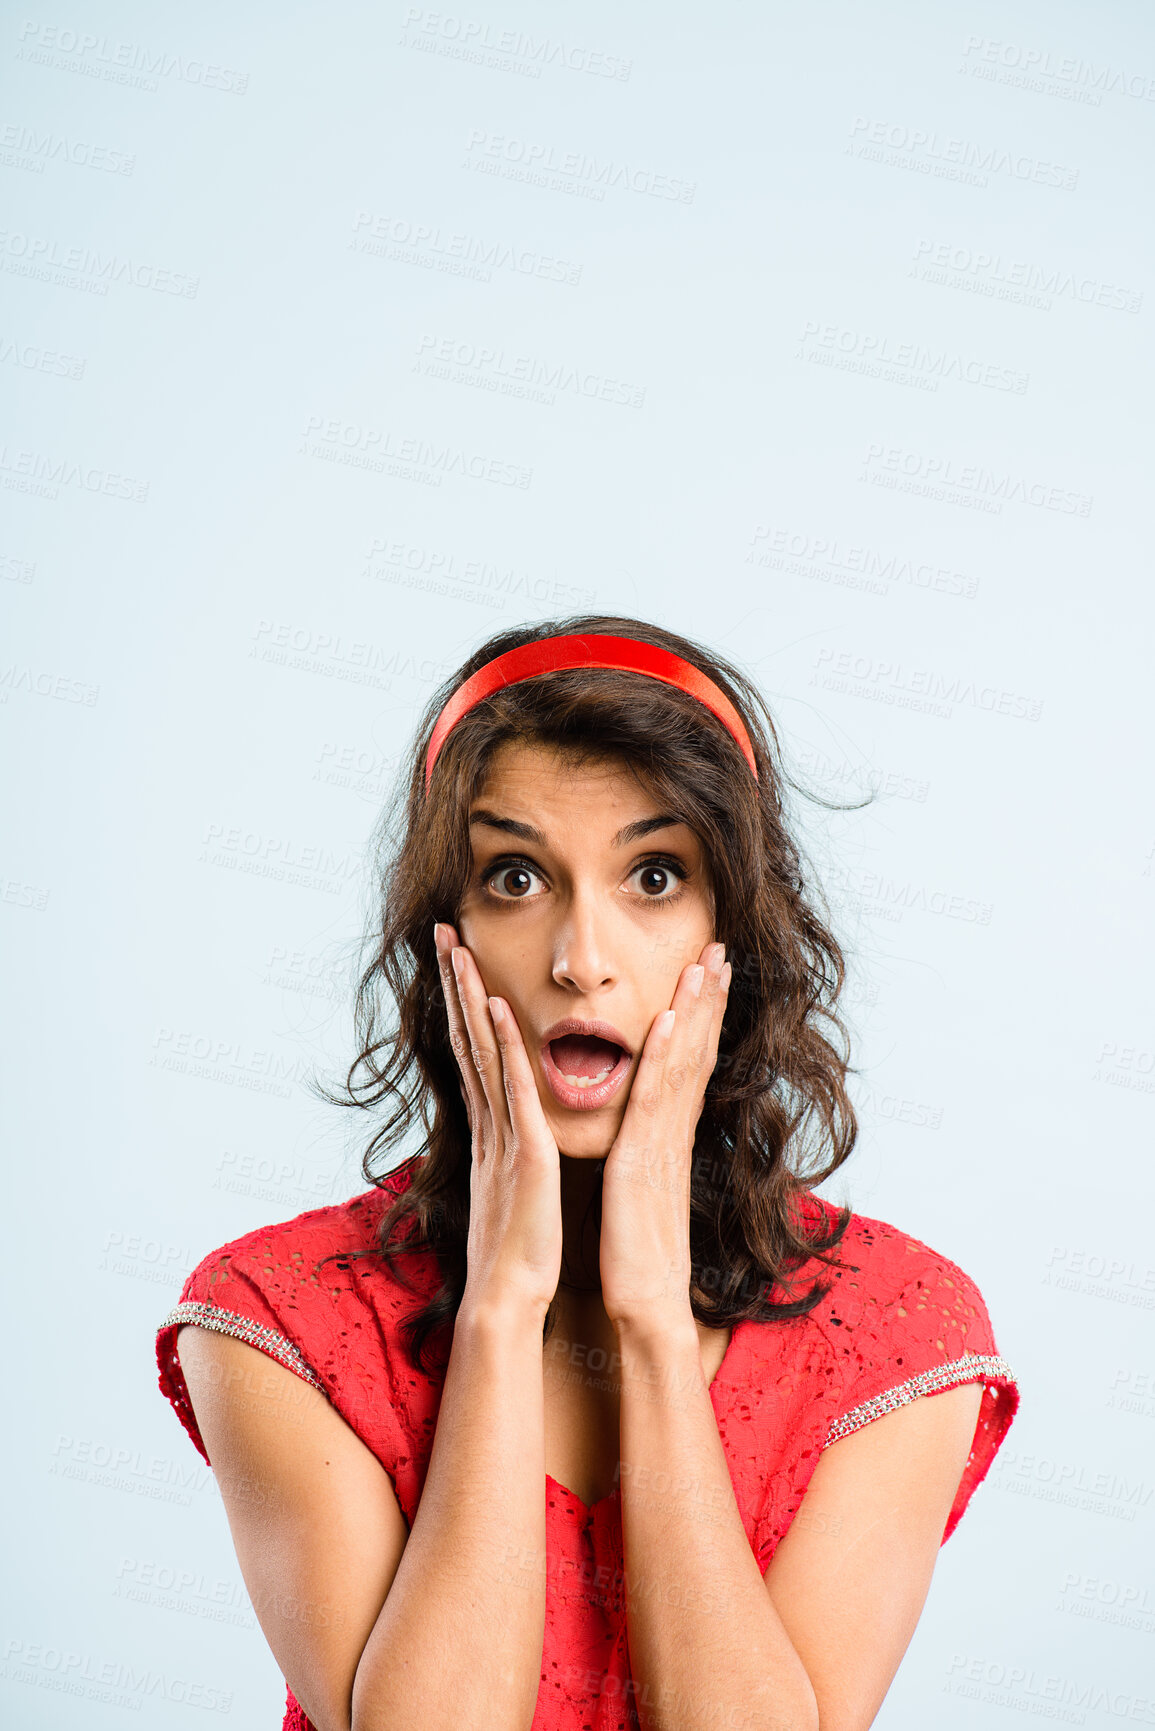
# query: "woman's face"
585,902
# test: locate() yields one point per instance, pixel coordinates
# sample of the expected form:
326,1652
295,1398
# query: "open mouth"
584,1060
584,1070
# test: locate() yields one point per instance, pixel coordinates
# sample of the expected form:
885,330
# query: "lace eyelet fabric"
900,1323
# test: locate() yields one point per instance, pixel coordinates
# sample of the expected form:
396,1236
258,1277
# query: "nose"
582,956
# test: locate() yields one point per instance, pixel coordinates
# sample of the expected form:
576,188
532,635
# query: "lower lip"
584,1099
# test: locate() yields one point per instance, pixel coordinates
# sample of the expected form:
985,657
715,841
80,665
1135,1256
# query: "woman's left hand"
645,1230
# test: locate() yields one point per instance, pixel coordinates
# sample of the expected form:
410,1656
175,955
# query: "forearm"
458,1642
708,1651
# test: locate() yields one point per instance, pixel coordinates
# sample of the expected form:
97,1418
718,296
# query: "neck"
581,1185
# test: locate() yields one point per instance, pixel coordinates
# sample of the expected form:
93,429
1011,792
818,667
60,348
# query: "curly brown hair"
776,1118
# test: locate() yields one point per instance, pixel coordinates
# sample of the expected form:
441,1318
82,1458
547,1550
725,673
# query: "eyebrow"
526,832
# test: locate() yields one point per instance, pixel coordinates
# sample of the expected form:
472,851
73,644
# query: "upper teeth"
587,1081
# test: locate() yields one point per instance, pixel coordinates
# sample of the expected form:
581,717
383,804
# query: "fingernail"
495,1009
437,936
724,976
458,962
717,951
694,980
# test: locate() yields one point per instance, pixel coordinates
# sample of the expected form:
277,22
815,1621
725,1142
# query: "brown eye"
511,882
658,881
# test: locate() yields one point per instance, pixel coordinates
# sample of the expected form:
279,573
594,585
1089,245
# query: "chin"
578,1134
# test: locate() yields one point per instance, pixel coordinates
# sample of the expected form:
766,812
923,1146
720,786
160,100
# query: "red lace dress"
903,1322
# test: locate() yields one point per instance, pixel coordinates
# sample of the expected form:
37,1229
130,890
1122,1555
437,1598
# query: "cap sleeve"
219,1294
933,1334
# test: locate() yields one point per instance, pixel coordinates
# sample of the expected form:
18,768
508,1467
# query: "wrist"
508,1316
666,1332
660,1358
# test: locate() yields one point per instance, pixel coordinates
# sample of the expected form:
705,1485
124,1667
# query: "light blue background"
900,306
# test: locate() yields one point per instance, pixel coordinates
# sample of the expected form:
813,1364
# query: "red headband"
551,654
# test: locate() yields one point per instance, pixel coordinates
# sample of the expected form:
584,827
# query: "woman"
592,1413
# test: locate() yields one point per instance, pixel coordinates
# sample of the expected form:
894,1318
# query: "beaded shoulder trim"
243,1328
972,1367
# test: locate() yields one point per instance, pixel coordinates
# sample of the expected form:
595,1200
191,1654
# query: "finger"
694,1000
521,1095
458,1032
699,985
468,1081
483,1047
646,1093
693,1053
714,991
719,1014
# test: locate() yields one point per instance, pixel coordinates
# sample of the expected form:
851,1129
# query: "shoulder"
900,1318
903,1319
295,1252
309,1292
298,1288
878,1265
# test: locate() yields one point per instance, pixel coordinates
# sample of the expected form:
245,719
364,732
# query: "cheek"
663,958
498,977
503,976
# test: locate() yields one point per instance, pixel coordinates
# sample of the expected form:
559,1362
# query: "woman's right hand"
514,1246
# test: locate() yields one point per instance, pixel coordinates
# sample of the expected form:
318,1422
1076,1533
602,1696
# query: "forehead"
543,773
557,794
